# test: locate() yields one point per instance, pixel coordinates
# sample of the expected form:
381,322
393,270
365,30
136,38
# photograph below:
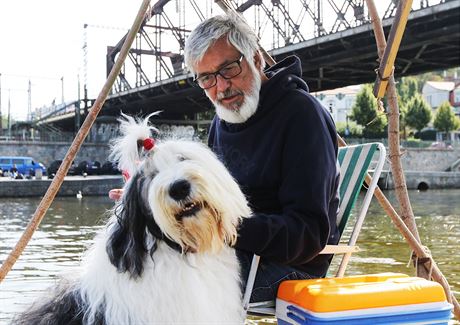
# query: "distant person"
14,171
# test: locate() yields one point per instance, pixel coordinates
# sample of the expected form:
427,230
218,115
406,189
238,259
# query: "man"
280,145
14,171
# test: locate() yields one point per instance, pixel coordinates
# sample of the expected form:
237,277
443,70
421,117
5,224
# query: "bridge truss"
333,39
159,45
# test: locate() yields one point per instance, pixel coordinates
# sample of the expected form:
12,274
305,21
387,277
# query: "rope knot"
422,262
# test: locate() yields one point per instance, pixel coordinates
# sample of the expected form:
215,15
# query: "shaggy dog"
165,256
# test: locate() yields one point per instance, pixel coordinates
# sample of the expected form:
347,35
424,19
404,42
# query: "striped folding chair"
354,162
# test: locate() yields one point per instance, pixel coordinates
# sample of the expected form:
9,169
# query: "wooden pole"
393,126
75,146
408,226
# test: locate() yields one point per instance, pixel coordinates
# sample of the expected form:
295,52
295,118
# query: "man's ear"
258,60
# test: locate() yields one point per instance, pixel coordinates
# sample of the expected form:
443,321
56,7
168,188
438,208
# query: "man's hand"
116,194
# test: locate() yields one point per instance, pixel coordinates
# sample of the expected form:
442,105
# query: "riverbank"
101,185
88,185
422,180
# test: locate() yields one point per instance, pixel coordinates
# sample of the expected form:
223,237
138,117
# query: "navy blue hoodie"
284,159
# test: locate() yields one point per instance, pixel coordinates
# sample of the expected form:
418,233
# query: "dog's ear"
126,150
126,246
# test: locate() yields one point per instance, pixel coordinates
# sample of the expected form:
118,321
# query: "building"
339,101
437,92
454,99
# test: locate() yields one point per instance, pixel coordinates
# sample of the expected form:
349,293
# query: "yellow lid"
359,292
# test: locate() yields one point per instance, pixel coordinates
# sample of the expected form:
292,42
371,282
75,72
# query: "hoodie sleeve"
308,184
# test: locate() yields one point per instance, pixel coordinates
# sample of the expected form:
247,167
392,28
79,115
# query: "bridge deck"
430,42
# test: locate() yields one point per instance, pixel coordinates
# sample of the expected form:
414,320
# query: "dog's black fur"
65,306
127,245
126,248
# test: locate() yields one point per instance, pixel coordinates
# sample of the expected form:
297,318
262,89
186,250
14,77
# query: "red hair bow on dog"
148,143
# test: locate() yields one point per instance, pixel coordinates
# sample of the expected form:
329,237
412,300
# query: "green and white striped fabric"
354,162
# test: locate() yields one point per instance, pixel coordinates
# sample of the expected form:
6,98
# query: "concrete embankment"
89,185
422,180
424,169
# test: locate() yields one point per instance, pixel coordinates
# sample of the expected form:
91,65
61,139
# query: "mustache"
228,93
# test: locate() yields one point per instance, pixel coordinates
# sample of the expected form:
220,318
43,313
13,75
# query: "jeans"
268,278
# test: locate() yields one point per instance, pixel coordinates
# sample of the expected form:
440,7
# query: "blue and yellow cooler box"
386,298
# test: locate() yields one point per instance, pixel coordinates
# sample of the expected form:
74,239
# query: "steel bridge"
333,38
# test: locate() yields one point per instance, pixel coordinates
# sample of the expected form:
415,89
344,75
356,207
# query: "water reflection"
437,214
55,248
70,224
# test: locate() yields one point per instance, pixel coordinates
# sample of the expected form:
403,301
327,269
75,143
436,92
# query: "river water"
70,224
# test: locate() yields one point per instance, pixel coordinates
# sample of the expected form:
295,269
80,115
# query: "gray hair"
238,33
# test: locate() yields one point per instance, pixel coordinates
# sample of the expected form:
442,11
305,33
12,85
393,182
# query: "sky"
42,41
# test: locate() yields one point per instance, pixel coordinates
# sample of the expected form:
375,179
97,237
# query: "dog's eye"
152,173
181,158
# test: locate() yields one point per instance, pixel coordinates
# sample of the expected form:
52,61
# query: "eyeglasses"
229,71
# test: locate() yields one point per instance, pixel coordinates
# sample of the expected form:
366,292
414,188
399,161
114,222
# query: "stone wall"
429,159
423,180
88,186
46,152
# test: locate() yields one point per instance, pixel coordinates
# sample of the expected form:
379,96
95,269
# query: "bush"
426,134
356,131
445,119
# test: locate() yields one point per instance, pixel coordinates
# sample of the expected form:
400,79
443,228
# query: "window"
330,105
457,96
429,100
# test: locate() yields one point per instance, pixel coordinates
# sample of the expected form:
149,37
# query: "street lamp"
9,114
62,89
1,122
347,129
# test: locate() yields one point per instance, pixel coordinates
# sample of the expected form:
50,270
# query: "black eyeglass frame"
238,61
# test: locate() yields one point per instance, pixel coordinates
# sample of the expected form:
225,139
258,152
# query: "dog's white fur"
183,270
174,289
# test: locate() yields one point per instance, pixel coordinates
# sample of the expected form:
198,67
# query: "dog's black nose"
179,190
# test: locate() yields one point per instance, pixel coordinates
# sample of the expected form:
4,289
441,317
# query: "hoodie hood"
282,77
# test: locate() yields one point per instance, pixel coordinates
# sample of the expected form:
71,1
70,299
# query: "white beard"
247,109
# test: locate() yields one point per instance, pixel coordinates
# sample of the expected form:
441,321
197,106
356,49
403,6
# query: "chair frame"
262,308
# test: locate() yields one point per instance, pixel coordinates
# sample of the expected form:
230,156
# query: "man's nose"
222,83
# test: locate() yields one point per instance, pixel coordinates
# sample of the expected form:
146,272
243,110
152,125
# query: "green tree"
364,112
354,130
445,119
406,88
418,113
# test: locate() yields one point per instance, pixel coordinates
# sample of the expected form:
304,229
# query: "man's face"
235,99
